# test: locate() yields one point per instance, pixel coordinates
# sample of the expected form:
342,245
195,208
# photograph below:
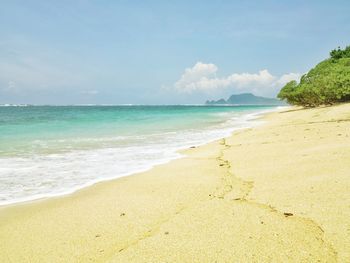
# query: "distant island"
246,99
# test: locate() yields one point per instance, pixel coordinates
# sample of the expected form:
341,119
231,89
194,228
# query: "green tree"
327,83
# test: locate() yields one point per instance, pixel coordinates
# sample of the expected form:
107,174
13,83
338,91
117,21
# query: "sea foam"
35,176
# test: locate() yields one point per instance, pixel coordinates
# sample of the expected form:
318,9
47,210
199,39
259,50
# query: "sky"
161,52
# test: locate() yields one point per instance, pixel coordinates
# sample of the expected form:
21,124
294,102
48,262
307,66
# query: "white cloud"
202,77
11,86
198,77
288,77
23,75
90,92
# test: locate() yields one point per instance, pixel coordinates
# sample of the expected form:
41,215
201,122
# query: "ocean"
55,150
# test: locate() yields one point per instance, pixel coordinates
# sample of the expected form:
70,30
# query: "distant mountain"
246,99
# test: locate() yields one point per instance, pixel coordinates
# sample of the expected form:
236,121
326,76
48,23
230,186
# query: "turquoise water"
51,150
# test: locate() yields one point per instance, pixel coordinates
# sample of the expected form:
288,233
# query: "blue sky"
161,52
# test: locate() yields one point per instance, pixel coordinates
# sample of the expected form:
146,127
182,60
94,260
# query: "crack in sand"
267,206
230,182
151,232
227,187
230,179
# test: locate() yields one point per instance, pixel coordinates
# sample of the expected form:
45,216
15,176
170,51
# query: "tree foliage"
340,53
325,84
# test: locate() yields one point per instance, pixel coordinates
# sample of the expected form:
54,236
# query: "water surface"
53,150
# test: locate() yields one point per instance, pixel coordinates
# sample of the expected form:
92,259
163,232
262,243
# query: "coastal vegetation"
326,84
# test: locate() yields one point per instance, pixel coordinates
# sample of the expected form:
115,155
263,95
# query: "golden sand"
276,193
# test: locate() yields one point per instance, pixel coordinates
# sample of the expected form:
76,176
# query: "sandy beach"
274,193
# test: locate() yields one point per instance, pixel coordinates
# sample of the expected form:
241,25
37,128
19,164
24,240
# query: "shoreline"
250,119
276,192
